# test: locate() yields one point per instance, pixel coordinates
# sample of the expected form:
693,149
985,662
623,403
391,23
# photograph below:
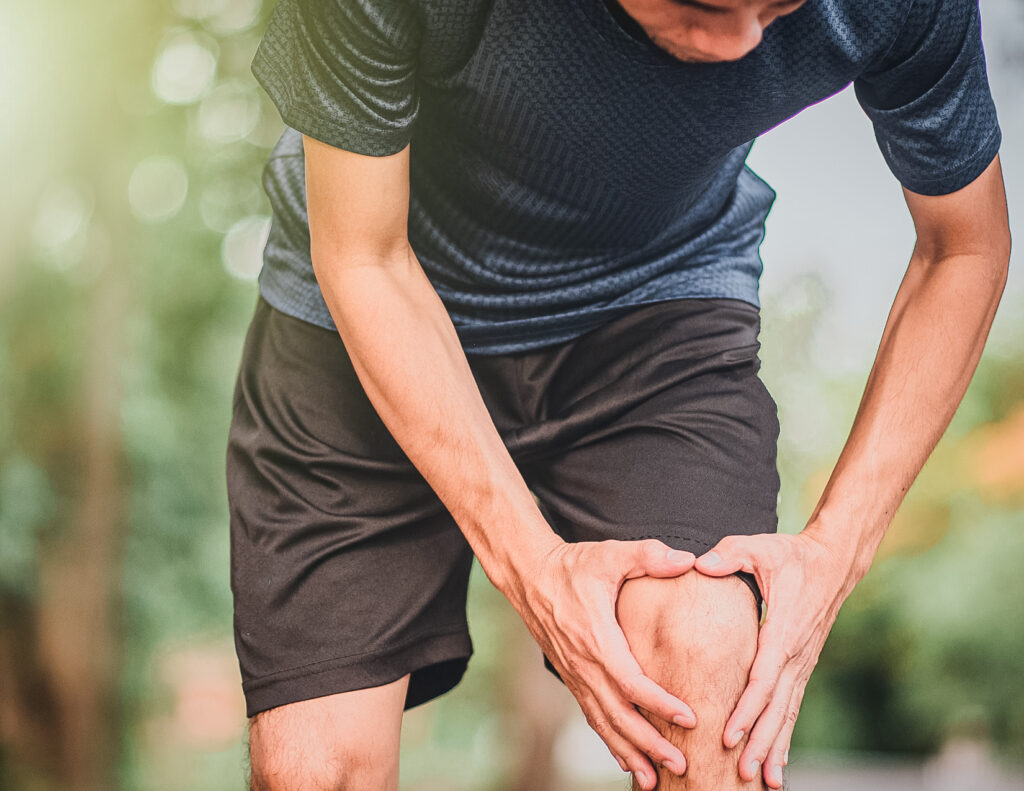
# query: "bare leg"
696,636
339,742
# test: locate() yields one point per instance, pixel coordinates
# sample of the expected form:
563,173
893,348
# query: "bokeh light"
158,187
234,16
184,69
229,112
242,249
61,223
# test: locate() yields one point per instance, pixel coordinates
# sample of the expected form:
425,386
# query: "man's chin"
686,56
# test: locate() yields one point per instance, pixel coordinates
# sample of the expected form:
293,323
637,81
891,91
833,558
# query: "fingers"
628,723
621,716
778,756
644,692
765,672
777,715
635,686
632,740
607,691
653,558
767,710
629,758
731,554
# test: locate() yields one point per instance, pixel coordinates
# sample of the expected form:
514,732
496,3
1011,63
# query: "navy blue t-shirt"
564,168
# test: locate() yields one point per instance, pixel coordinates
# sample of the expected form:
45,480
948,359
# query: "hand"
803,583
567,602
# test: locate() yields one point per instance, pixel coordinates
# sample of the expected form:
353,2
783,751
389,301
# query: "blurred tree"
141,142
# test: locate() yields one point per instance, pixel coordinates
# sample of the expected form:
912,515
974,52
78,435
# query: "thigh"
347,571
664,429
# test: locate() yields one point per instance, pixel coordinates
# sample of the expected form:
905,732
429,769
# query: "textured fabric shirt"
564,168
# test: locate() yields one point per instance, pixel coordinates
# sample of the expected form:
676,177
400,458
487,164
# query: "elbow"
1004,245
1001,258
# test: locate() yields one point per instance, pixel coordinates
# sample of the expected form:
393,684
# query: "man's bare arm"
928,353
409,360
408,357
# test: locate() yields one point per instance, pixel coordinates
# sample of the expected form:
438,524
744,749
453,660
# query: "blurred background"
132,221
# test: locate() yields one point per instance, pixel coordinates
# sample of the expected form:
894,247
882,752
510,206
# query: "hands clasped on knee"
569,605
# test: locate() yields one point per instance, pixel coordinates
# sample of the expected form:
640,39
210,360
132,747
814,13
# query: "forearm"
411,364
928,353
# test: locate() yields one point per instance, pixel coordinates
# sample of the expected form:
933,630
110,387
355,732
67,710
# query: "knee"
696,630
696,637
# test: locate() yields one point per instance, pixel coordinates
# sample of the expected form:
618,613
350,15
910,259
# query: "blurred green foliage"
133,236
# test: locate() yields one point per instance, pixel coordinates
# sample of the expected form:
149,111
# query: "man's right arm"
410,361
408,356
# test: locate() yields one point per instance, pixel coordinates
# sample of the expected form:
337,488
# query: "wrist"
851,551
512,553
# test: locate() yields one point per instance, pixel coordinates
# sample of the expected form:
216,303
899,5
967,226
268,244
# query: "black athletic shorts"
347,570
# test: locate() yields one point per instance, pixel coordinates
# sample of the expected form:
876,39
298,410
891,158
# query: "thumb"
653,558
728,556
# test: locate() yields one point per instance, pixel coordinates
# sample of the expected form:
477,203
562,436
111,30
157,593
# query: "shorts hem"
436,662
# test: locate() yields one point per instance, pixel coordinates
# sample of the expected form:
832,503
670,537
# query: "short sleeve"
343,71
928,98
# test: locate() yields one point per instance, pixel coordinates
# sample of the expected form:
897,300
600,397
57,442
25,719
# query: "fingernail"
678,556
684,721
674,768
785,758
776,774
754,766
711,559
736,737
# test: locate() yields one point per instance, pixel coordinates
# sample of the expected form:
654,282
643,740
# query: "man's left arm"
929,350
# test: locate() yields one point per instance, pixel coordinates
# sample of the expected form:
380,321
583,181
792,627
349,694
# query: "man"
509,309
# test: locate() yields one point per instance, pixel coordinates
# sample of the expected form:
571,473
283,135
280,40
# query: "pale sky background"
840,210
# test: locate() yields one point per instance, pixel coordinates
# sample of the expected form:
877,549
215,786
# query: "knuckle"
630,687
730,542
599,725
574,665
791,716
762,686
650,546
724,547
779,713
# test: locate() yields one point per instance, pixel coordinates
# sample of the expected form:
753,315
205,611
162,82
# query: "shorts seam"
340,661
694,539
